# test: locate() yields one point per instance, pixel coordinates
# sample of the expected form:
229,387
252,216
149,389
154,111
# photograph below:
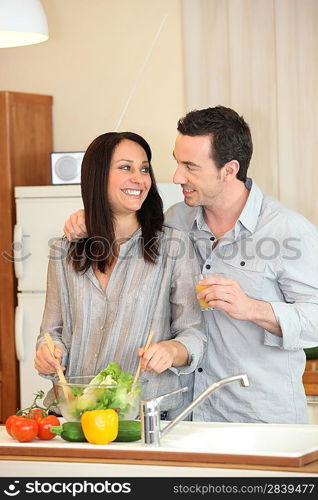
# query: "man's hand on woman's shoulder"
74,227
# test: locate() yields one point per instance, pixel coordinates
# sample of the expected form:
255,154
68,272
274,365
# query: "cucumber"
128,430
70,431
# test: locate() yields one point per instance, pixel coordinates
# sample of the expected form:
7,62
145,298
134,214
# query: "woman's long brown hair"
99,248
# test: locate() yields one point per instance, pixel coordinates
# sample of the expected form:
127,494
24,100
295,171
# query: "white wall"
91,64
260,58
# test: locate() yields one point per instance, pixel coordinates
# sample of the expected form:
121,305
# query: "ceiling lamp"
22,22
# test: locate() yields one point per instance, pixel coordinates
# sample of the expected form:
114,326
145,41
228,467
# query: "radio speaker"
66,167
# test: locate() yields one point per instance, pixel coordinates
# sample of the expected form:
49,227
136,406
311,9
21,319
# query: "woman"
131,275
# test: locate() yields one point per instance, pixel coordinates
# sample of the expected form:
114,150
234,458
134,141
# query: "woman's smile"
129,178
132,192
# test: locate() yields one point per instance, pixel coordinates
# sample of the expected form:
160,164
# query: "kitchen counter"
36,468
176,457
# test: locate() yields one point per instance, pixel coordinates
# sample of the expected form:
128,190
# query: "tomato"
37,414
45,425
10,421
24,429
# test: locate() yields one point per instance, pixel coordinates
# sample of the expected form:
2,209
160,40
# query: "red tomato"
45,425
24,429
37,414
10,421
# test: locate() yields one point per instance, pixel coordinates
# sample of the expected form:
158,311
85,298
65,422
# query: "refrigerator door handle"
19,333
17,251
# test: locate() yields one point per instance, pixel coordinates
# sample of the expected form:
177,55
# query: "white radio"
66,167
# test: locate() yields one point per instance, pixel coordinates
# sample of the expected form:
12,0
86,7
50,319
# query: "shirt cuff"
288,319
195,354
273,340
48,377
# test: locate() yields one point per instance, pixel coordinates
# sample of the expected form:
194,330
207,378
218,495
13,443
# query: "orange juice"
199,288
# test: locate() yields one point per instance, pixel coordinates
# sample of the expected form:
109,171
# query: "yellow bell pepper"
100,426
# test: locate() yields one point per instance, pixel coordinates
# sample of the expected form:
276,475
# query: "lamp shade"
22,22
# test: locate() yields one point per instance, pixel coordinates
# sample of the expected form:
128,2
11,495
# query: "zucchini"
70,431
128,430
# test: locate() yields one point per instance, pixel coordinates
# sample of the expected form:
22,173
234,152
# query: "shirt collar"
124,248
127,245
249,215
199,220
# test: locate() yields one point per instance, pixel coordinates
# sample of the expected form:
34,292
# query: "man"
267,302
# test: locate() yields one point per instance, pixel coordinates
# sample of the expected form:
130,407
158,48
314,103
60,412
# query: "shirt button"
208,266
242,263
212,238
200,370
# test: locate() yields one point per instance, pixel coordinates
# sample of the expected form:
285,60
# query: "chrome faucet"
150,410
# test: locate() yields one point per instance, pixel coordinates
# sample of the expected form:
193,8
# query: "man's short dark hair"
230,135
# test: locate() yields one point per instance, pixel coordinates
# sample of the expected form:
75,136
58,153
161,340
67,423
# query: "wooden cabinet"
25,146
310,377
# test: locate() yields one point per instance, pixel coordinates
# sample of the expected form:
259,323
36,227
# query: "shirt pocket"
250,275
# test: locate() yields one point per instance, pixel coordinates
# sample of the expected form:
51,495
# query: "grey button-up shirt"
96,328
272,253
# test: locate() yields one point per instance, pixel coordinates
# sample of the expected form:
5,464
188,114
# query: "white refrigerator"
40,215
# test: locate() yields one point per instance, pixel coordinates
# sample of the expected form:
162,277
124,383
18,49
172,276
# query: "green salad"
118,393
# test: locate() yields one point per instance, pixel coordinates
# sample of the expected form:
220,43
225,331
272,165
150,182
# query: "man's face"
200,179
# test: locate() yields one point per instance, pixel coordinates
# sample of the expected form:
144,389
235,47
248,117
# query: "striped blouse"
97,327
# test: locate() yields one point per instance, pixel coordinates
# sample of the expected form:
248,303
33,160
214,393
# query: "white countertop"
191,449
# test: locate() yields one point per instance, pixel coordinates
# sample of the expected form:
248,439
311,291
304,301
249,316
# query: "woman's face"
129,178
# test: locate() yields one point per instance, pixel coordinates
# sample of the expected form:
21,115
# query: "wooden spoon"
67,391
146,347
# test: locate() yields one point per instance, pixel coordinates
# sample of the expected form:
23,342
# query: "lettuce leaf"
120,397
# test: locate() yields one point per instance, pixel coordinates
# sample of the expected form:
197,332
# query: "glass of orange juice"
204,306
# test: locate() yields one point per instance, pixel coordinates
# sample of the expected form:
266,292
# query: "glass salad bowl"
83,393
